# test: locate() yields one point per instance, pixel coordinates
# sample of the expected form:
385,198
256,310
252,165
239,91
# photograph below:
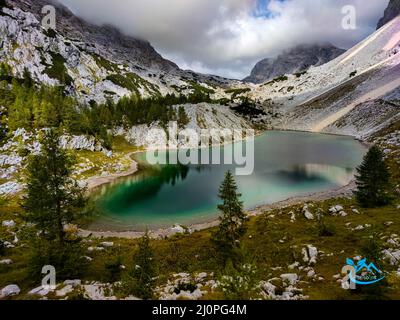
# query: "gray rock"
10,290
8,223
73,283
107,244
291,278
295,60
391,12
40,291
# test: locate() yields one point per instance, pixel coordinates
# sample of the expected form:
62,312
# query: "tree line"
32,107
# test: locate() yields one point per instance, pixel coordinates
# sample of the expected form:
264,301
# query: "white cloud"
225,37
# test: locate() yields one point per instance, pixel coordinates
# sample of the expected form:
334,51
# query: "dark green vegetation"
196,252
246,108
3,4
353,74
373,180
141,279
58,70
232,219
237,92
31,107
53,200
276,80
132,82
270,240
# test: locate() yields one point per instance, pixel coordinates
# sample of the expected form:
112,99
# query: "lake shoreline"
164,232
257,211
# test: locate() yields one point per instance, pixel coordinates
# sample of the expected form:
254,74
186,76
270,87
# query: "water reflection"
317,173
287,164
146,185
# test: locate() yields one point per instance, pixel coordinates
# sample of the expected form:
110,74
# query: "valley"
105,92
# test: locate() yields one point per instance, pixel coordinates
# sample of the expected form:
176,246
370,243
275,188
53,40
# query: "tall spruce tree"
373,180
232,220
53,197
183,119
144,271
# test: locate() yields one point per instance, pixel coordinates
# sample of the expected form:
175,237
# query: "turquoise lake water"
287,164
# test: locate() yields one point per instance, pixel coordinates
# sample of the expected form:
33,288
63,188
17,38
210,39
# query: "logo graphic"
362,273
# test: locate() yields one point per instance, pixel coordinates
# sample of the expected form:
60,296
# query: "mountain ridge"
391,12
77,28
295,60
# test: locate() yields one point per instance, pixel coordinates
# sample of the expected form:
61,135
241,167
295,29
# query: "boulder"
73,283
9,188
308,215
392,255
10,290
343,214
310,254
40,291
291,278
269,288
177,229
294,265
107,244
8,223
339,208
64,291
332,210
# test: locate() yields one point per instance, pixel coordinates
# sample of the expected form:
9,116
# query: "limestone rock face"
296,60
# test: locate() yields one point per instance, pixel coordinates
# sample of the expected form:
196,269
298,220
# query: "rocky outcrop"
391,12
92,62
97,38
296,60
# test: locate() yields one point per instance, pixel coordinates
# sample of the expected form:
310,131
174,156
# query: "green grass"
199,88
133,82
104,63
58,70
276,80
195,253
237,92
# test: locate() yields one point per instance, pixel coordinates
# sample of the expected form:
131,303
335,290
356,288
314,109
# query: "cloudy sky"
227,37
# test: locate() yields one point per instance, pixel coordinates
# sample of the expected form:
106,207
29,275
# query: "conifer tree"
232,220
183,119
373,180
53,198
144,271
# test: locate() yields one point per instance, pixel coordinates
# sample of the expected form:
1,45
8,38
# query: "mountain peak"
125,48
391,12
296,59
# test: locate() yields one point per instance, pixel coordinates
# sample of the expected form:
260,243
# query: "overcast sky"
227,37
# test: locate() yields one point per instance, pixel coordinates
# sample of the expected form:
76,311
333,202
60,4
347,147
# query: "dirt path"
372,95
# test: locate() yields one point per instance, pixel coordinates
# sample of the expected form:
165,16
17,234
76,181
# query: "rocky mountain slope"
79,56
296,60
391,12
323,98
